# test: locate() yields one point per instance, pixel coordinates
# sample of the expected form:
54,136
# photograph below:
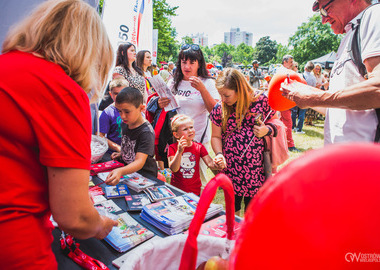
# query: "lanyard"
71,249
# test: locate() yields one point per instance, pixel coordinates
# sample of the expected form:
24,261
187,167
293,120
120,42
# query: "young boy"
137,142
110,121
184,156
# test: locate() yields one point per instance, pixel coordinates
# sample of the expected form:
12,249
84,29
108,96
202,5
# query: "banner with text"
129,21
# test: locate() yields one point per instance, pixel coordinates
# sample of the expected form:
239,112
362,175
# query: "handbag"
267,162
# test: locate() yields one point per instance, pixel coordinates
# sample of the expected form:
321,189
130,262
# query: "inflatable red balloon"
319,212
276,100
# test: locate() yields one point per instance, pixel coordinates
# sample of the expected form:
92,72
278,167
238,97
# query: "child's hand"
220,162
260,130
116,155
182,143
114,177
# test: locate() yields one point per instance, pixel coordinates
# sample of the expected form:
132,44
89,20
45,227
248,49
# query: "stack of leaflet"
173,216
159,193
127,234
137,182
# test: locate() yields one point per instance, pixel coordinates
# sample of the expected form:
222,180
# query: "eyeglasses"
194,47
321,10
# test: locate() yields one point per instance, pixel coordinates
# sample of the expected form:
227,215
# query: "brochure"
127,234
159,193
137,202
109,206
174,215
137,182
105,166
217,227
163,90
117,191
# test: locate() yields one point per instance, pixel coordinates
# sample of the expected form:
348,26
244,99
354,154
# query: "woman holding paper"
196,94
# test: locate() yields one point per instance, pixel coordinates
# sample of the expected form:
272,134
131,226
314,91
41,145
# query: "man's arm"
360,96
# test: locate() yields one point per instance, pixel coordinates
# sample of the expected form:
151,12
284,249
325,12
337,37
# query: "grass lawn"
312,139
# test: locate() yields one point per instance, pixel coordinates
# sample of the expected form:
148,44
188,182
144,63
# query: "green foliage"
187,40
312,40
281,51
167,46
243,54
265,50
100,7
224,52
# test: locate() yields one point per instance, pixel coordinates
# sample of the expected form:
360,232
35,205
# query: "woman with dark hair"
195,92
144,62
126,66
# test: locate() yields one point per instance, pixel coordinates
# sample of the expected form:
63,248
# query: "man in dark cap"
255,75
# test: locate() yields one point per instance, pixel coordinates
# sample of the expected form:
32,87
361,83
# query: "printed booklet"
159,193
105,166
217,227
128,233
109,206
173,216
137,202
117,191
137,182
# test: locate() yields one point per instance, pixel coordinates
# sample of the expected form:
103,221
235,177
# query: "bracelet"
219,153
269,131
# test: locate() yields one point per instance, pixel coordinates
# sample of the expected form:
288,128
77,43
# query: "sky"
278,19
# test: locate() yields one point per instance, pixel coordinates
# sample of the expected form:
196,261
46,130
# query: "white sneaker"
300,132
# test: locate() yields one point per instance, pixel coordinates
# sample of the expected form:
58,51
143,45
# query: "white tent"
327,61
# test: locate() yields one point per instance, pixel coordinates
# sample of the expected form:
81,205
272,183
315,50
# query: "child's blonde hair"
178,120
233,79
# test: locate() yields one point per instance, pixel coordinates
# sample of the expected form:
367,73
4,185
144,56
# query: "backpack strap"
354,48
377,135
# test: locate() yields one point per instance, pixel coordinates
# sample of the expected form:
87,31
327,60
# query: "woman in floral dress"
126,66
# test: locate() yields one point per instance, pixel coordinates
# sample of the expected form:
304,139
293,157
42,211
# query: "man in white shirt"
351,98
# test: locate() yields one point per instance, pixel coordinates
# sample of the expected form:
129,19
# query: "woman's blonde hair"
233,79
178,120
320,70
71,34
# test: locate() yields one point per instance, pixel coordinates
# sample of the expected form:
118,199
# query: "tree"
224,52
313,39
282,50
243,54
167,46
265,50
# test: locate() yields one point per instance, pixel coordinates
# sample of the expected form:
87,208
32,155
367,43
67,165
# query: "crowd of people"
223,122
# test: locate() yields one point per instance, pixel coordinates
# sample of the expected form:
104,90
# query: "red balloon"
319,212
276,100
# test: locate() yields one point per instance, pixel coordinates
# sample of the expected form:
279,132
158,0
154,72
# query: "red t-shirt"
45,122
187,177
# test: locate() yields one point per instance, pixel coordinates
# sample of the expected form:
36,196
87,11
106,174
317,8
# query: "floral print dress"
246,173
135,80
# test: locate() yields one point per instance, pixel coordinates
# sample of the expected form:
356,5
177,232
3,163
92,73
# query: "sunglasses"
194,47
321,10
